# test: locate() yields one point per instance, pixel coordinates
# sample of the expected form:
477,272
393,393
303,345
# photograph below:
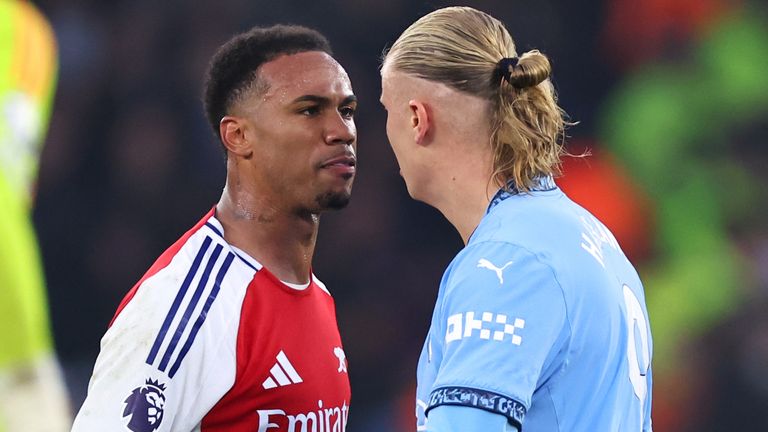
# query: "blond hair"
471,51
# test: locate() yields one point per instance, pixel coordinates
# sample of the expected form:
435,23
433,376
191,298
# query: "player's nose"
340,130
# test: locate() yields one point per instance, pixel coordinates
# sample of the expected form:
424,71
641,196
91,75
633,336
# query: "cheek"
353,128
396,139
281,149
392,130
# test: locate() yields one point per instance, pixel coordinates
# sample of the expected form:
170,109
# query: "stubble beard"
332,201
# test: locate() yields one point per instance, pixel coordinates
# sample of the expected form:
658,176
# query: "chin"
333,200
417,194
411,189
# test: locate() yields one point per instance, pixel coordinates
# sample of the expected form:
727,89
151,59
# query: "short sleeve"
503,322
449,418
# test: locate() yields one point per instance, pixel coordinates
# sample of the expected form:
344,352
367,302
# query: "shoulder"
489,273
320,285
494,260
198,277
200,256
203,265
176,333
521,219
558,231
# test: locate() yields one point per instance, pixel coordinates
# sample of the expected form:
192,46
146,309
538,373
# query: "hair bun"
529,70
505,67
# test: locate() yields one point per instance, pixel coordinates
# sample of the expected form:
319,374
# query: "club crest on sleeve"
145,406
339,353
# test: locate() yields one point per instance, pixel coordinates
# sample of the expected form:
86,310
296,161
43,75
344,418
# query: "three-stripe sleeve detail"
177,301
203,314
185,325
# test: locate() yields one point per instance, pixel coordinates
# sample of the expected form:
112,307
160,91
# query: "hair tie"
506,65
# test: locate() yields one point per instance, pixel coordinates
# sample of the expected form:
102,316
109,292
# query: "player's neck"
463,195
281,241
465,210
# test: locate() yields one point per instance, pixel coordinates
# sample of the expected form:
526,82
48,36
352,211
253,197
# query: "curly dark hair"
234,67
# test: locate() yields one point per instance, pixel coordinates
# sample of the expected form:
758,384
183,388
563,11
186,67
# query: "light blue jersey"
541,319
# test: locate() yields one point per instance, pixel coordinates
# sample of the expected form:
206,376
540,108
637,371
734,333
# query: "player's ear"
421,121
232,133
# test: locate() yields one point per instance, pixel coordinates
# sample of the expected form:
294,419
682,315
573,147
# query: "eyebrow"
322,100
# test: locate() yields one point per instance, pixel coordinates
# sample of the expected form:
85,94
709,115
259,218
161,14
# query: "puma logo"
484,263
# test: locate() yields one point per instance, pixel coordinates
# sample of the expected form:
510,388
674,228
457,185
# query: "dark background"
130,164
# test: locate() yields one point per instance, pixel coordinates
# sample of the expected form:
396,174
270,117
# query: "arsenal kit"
210,340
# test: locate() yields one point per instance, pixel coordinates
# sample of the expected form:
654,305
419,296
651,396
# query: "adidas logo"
281,374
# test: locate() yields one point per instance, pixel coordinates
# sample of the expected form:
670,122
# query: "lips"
340,161
343,166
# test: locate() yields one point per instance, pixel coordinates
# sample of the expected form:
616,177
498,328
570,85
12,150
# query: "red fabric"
302,324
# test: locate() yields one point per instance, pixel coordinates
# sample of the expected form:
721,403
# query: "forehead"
307,73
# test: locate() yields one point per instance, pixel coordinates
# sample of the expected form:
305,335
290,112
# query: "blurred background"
671,97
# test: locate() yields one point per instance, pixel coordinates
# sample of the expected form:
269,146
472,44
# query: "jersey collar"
542,184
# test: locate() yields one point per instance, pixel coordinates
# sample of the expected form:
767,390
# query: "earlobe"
233,136
421,122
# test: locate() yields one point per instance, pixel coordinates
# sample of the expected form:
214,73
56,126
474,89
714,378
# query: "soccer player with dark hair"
540,323
229,330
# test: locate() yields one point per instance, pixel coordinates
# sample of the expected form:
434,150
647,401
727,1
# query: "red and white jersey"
209,340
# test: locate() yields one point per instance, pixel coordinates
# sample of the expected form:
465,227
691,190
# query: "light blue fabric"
540,319
448,418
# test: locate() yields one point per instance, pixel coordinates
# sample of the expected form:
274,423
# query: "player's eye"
348,111
310,111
